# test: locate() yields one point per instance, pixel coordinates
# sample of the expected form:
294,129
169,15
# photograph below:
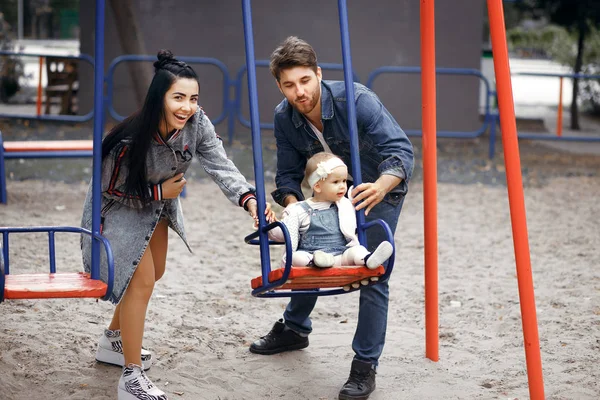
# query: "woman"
144,159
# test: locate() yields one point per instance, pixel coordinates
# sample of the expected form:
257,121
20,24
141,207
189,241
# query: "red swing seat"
307,278
53,286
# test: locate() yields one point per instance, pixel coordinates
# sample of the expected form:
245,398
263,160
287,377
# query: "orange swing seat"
307,278
53,286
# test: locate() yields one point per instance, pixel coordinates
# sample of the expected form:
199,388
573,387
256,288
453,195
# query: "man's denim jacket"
384,148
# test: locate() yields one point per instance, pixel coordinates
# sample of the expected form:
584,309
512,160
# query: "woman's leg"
133,306
158,244
115,324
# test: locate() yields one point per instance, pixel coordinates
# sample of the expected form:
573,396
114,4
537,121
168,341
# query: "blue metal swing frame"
260,237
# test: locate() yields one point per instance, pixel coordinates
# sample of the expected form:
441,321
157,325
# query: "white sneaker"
110,350
380,255
135,385
322,259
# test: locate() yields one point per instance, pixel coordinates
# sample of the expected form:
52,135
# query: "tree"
577,16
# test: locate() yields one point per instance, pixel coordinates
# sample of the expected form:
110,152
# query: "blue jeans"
369,337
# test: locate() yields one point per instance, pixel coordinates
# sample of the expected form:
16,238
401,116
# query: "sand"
202,316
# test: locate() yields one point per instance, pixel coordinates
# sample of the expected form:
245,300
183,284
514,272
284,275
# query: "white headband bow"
324,168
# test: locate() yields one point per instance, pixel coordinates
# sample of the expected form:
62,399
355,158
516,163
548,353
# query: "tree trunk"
132,42
578,65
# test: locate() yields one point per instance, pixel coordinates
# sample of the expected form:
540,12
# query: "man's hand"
371,194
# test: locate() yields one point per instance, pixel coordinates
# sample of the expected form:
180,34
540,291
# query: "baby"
323,228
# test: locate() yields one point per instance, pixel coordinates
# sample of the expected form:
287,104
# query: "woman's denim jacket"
384,148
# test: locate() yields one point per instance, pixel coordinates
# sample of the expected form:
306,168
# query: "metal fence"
232,89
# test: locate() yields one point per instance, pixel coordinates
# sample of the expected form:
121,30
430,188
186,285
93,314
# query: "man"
313,118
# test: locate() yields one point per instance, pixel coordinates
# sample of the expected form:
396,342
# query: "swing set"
298,281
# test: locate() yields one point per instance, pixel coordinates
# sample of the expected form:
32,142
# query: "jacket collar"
326,107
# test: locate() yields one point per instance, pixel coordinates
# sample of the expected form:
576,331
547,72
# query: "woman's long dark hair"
141,126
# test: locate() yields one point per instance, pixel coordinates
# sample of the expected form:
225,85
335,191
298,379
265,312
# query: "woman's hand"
252,206
172,187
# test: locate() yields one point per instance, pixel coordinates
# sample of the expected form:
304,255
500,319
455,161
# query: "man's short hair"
292,52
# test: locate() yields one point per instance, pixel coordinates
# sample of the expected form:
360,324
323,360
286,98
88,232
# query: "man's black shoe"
361,382
279,340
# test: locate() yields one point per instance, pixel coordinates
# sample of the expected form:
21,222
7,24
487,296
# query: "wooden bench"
40,149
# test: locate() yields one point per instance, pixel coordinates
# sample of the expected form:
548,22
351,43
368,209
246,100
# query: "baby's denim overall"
324,231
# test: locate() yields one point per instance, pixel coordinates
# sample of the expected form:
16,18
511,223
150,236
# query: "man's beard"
307,106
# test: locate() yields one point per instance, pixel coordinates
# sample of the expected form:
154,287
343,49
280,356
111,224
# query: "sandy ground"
202,316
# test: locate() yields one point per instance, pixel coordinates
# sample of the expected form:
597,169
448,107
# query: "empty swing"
77,284
292,280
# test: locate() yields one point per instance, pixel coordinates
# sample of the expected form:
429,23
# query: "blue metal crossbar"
260,237
52,230
190,60
72,118
542,136
537,136
488,120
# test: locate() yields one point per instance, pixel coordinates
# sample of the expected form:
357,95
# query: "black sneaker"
361,382
279,340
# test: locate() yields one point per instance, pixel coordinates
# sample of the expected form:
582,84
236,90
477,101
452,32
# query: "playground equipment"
513,176
306,280
63,285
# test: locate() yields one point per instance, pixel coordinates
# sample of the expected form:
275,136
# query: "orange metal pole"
516,199
429,177
560,109
39,89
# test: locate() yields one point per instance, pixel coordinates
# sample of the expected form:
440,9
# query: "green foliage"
556,43
548,41
571,14
571,19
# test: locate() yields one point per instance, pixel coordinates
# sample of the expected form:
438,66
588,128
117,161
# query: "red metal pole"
39,89
559,120
516,199
429,177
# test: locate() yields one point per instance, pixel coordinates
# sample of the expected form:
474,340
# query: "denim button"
147,237
135,263
173,168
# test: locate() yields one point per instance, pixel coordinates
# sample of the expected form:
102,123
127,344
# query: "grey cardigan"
127,223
